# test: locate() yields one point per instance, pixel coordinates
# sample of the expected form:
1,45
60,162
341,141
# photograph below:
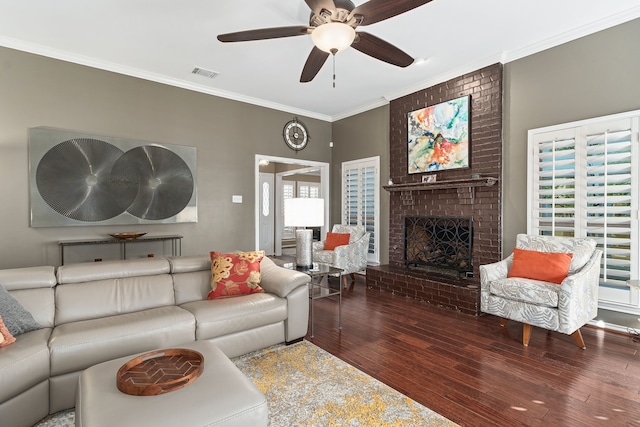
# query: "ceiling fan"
332,27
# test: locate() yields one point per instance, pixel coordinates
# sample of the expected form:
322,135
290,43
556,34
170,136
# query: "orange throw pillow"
5,336
546,266
336,239
235,274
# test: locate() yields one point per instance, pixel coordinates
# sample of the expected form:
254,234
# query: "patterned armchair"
350,258
563,307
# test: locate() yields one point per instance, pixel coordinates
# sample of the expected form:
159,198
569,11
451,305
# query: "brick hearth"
428,287
464,198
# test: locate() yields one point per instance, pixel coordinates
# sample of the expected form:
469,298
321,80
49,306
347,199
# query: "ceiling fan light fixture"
333,36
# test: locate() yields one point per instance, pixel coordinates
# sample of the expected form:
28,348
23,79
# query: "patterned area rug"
306,386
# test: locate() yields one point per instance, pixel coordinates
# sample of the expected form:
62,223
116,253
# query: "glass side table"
319,285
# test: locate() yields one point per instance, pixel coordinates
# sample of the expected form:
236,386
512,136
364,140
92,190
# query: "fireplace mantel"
487,181
465,187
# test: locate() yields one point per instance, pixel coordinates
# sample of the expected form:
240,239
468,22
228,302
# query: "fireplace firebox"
443,243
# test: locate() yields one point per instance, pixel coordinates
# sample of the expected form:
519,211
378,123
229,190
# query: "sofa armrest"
495,271
578,297
279,280
318,246
352,258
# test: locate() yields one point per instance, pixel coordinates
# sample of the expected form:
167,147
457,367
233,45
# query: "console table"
176,244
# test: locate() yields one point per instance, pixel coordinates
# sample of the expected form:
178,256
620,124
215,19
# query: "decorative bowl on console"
129,235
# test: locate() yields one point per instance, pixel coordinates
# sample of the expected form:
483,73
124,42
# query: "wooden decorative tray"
128,235
159,372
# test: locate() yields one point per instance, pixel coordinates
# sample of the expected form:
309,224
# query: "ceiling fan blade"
382,50
317,5
378,10
264,33
315,61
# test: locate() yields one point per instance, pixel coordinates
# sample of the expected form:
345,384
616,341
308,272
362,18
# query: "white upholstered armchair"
563,307
352,257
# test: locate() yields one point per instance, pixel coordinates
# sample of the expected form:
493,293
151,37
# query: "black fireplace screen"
443,242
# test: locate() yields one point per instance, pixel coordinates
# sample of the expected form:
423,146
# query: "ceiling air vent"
204,72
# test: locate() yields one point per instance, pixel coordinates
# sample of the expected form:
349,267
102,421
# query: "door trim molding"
324,190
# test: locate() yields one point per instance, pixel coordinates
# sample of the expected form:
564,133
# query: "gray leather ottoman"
221,396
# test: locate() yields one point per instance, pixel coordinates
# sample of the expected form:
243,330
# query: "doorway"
285,169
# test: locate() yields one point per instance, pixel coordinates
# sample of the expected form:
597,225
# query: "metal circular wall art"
90,180
74,179
151,182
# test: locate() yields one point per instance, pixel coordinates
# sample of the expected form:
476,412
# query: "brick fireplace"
473,193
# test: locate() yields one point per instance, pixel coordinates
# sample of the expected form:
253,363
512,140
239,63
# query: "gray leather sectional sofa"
95,312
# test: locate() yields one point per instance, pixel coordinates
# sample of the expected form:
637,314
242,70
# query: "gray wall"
590,77
39,91
357,137
593,76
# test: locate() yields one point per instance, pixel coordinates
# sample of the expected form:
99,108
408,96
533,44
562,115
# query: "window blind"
584,183
360,199
288,189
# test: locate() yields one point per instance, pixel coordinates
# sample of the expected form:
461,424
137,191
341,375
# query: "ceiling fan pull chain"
333,53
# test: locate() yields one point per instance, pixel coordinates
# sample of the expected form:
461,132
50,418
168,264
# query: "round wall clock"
295,134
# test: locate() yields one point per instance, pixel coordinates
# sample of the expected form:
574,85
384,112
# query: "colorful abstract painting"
439,137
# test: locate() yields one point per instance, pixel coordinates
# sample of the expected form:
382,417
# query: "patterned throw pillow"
5,336
235,274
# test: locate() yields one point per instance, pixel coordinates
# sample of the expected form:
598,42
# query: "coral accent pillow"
5,336
546,266
235,274
336,239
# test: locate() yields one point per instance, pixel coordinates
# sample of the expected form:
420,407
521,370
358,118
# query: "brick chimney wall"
483,204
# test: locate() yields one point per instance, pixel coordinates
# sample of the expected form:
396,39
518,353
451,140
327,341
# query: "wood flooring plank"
478,374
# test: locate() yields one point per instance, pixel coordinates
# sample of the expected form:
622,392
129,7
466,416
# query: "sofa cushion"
78,345
225,316
581,248
28,278
40,302
189,264
17,319
235,274
5,336
110,297
192,286
546,266
92,271
526,290
24,363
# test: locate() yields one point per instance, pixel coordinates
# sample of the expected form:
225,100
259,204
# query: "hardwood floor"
476,373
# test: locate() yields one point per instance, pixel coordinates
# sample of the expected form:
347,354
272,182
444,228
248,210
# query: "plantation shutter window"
554,191
361,198
583,182
288,192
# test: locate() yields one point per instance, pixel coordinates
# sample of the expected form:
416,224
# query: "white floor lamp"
304,212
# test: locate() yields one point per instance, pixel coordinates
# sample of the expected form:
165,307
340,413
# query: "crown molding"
145,75
502,57
451,74
360,109
594,27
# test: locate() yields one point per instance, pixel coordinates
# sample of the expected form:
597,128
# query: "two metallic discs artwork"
90,180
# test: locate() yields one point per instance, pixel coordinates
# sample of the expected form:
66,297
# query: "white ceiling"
163,41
